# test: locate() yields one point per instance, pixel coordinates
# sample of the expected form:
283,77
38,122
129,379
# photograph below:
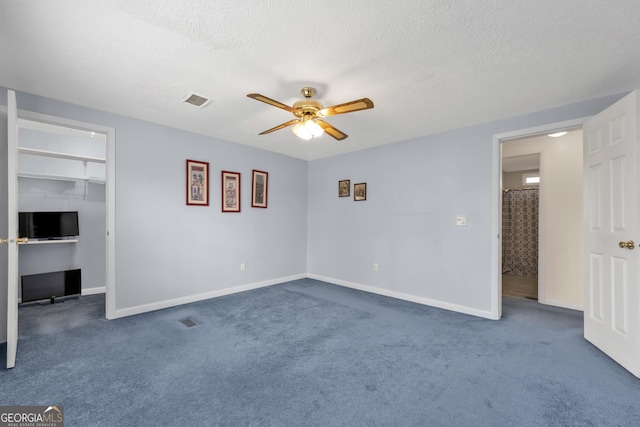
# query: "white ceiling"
428,65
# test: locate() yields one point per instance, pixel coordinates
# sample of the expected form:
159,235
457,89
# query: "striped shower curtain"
520,232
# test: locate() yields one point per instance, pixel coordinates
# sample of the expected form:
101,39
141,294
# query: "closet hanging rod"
51,177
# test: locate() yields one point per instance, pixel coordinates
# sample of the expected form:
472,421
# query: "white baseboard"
407,297
563,304
130,311
94,291
86,291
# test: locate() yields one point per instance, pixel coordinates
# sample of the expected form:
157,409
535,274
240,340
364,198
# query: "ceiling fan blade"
347,107
331,131
270,101
282,126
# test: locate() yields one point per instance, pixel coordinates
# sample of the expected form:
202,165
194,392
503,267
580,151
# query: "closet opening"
61,177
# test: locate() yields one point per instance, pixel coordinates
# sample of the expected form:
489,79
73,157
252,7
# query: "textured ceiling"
429,65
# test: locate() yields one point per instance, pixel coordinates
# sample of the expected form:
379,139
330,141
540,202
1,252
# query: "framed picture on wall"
259,189
230,191
360,191
197,183
344,188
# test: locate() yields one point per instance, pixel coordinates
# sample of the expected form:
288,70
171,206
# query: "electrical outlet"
375,266
242,266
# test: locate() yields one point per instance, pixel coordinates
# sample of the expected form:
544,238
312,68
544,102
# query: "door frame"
110,168
12,229
496,202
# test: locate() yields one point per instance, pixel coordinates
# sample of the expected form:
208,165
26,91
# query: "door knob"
629,245
3,241
22,240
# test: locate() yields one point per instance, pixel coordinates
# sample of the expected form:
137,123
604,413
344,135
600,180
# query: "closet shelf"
44,153
51,242
35,152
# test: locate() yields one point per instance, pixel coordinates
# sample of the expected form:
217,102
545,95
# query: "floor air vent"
189,323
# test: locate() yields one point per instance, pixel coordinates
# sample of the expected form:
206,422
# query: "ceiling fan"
309,114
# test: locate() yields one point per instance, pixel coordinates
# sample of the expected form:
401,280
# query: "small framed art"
344,188
230,191
259,189
197,183
360,191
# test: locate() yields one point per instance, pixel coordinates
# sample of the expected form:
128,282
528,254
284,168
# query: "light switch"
461,221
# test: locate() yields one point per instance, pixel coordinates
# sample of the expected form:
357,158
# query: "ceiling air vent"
196,100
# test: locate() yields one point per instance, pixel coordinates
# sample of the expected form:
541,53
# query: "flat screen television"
36,287
48,225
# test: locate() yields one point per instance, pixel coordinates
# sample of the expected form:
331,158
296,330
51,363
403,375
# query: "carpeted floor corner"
307,353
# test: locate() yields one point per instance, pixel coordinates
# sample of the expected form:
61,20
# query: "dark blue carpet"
307,353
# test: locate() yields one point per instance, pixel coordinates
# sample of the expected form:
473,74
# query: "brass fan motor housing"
307,107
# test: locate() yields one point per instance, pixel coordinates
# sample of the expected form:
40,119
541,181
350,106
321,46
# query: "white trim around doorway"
496,202
110,286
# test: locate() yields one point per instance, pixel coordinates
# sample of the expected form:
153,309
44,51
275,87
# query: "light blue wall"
166,250
415,190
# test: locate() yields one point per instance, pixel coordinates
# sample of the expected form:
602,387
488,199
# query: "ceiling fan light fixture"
309,113
307,129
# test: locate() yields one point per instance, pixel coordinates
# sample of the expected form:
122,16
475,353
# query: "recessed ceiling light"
557,134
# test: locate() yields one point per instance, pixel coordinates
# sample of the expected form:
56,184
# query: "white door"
612,297
12,228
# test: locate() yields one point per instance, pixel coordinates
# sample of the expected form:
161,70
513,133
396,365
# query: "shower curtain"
520,232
